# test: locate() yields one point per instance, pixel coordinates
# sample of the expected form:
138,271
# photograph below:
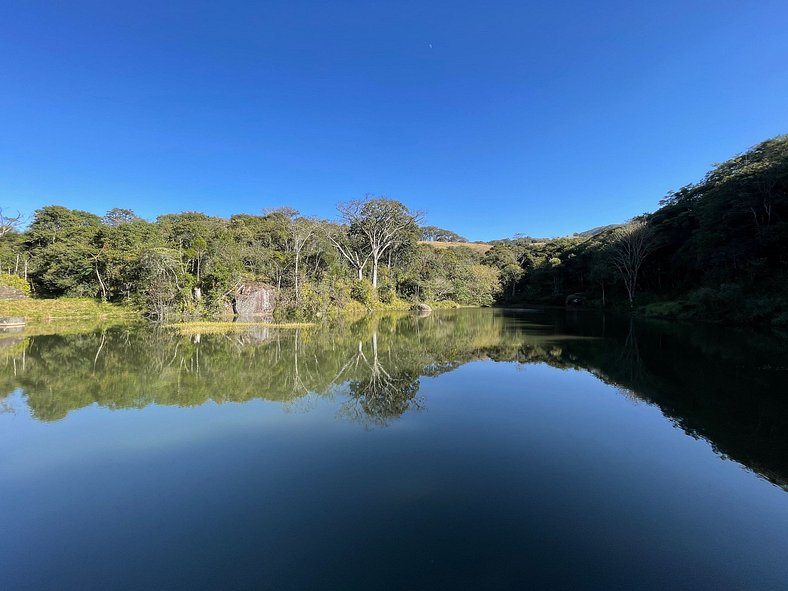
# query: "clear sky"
495,118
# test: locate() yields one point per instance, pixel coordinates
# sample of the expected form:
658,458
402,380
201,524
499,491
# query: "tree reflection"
384,393
723,386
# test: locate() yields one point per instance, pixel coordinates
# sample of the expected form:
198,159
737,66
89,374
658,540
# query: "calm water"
475,449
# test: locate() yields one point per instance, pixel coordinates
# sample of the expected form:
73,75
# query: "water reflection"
726,386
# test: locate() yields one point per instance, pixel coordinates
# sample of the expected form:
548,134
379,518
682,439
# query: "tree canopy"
716,249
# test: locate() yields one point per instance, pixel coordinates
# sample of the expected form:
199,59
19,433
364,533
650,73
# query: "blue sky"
495,118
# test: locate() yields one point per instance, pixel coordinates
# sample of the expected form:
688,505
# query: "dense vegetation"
714,250
187,265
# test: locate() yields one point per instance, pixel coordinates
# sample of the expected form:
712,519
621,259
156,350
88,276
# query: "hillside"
481,247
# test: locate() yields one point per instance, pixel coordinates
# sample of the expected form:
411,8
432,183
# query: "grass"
47,310
190,328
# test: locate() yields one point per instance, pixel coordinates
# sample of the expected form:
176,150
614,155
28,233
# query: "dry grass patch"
190,328
477,246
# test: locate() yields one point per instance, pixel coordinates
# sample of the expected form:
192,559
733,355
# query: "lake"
468,449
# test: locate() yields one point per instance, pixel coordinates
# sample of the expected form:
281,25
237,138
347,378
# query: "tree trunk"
630,292
297,295
103,288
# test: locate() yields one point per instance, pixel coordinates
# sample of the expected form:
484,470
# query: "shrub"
363,292
387,293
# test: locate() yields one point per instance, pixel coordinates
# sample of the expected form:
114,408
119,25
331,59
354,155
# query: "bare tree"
382,393
631,245
381,222
350,247
9,223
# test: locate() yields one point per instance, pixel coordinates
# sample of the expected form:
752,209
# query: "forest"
187,265
715,250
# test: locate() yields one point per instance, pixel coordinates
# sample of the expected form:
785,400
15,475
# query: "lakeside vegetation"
187,266
715,250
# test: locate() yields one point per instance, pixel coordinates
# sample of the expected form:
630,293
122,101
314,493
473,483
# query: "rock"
576,300
421,308
11,293
254,301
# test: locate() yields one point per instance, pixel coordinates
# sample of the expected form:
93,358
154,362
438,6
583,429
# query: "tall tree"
302,230
381,222
631,245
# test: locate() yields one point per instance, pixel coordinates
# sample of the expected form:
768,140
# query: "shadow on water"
729,387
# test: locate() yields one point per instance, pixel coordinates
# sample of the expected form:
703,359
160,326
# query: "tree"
158,269
433,233
352,247
599,271
302,230
117,216
9,223
503,256
484,283
381,222
555,267
191,231
117,251
631,245
63,246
